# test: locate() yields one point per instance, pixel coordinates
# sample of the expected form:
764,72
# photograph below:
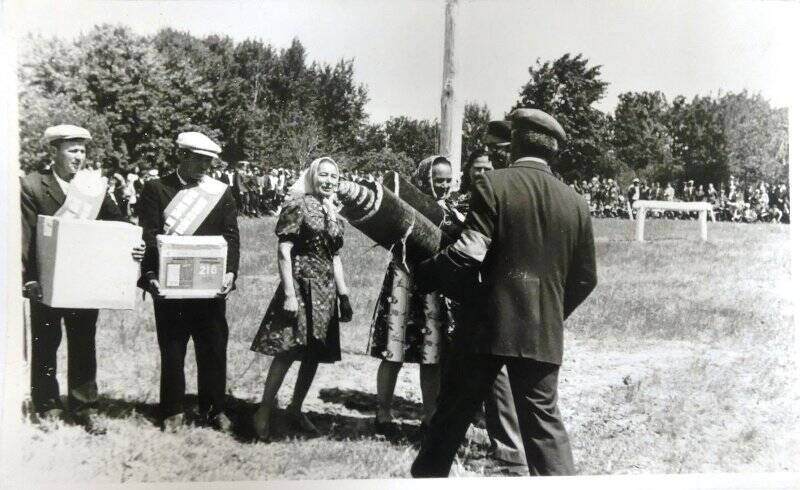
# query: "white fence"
703,208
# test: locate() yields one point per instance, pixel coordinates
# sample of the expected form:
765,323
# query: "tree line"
275,107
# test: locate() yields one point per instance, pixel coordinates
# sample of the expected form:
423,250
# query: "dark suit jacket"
530,238
155,197
41,194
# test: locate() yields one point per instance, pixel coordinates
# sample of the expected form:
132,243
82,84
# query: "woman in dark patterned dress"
302,320
411,327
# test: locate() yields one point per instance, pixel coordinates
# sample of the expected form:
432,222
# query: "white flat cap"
198,143
65,132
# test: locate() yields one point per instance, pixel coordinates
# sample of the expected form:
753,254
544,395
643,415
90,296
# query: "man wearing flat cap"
202,320
528,248
44,193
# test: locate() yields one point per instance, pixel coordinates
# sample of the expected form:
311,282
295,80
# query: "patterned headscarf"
423,177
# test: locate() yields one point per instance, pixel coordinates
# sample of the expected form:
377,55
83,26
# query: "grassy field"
681,361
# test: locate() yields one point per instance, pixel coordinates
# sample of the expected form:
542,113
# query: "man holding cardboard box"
45,194
190,264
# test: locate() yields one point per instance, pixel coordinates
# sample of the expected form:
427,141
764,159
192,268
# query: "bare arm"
285,267
338,275
285,271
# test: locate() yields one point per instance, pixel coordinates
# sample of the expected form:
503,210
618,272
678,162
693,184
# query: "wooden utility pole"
452,109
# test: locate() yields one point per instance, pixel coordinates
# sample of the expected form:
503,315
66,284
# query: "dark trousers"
502,425
535,392
80,326
202,320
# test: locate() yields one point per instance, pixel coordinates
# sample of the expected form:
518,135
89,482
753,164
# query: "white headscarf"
307,181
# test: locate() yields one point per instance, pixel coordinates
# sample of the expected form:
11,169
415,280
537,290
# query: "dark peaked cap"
537,121
497,133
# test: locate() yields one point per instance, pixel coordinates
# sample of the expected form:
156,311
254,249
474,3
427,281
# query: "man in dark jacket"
528,250
202,320
44,193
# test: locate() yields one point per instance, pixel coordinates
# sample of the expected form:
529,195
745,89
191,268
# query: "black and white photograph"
268,241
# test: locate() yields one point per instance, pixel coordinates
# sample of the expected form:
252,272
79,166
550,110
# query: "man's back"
540,263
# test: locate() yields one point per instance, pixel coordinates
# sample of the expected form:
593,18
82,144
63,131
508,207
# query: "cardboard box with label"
191,266
87,263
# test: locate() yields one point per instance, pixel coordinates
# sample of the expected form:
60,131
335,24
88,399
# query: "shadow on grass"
333,426
365,402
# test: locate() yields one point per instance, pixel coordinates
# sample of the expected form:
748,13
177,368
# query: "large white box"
87,263
191,266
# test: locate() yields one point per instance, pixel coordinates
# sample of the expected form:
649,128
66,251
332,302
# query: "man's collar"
532,162
180,179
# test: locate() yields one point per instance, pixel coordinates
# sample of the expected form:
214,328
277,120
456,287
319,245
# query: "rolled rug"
389,221
423,203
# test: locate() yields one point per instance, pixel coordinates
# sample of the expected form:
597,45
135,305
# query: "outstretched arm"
454,270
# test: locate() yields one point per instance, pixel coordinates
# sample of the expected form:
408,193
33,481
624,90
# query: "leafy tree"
380,161
473,127
417,138
114,74
757,138
698,138
566,88
339,105
641,130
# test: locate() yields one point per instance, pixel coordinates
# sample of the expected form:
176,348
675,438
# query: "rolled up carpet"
389,221
425,204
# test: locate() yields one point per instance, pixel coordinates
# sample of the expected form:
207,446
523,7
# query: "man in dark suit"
44,193
527,254
507,451
202,320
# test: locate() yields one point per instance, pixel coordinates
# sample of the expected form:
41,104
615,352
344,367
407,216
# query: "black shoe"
220,422
387,429
89,420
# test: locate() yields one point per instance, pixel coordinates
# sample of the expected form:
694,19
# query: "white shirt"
61,183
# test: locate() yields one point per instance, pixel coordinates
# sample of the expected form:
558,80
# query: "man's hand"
138,252
153,287
32,290
227,284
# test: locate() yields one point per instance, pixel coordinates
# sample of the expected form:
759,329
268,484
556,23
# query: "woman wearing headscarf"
477,163
302,320
409,326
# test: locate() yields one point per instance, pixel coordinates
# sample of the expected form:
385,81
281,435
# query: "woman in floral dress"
302,320
411,327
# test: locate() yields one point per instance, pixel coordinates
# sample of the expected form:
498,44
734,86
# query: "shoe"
299,421
387,429
261,429
89,420
220,422
498,467
49,416
173,423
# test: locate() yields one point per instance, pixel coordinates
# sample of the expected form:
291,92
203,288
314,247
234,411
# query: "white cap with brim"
65,132
198,143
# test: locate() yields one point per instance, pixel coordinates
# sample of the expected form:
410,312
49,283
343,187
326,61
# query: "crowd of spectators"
260,191
732,201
